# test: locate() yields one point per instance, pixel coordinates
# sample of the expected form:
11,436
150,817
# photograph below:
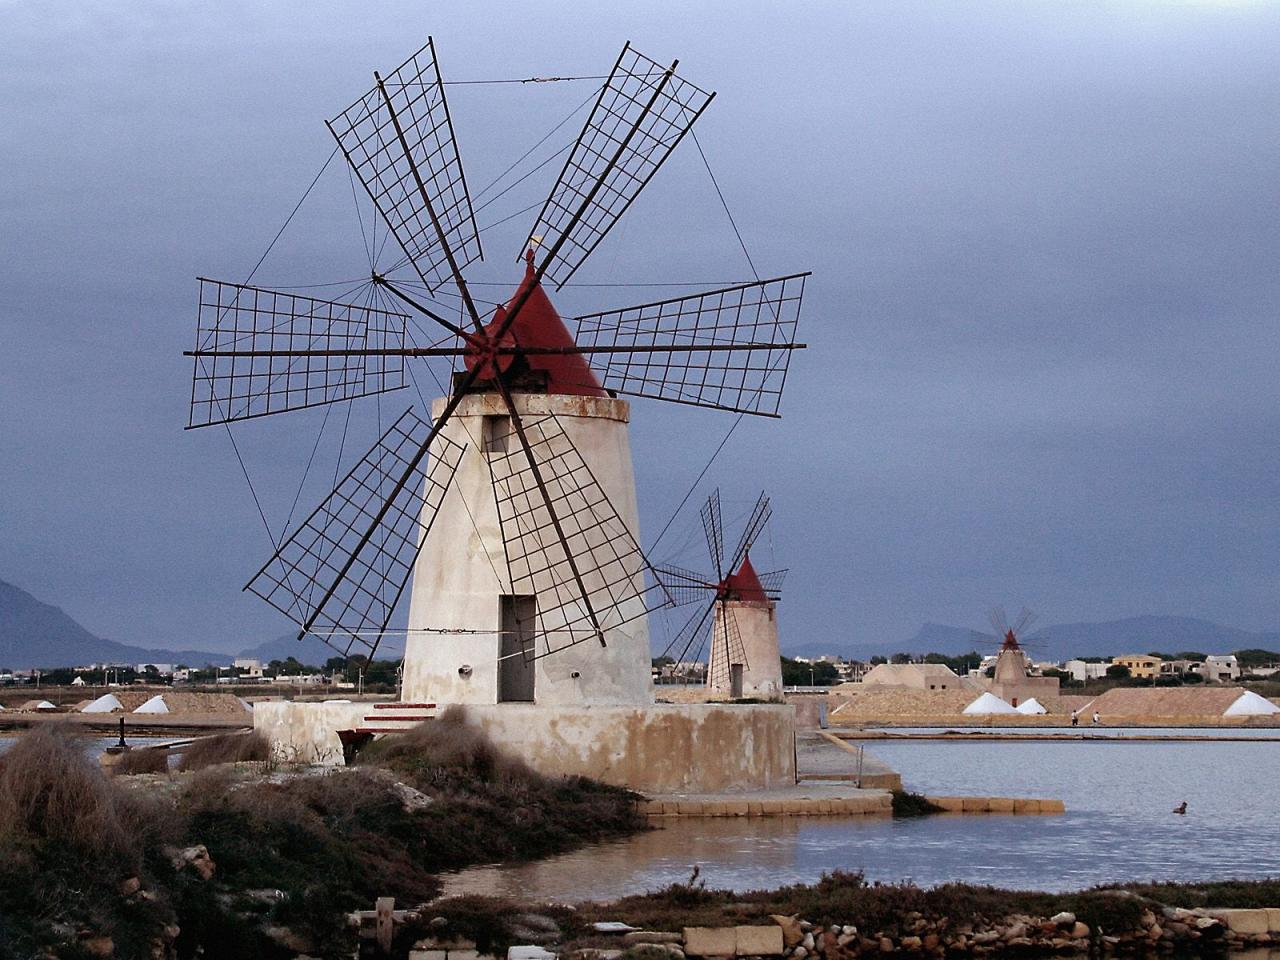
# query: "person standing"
1075,718
1097,717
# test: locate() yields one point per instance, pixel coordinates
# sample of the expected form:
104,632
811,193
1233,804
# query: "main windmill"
513,507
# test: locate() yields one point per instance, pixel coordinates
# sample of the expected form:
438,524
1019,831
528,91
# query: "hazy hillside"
1107,638
36,634
315,652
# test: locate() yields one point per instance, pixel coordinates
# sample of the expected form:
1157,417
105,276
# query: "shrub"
224,748
906,804
145,760
51,791
448,743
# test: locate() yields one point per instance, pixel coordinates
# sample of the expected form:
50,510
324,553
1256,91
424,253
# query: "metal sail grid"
729,376
597,543
726,638
399,140
642,113
340,575
263,351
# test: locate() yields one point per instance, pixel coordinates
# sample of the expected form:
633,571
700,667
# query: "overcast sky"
1042,322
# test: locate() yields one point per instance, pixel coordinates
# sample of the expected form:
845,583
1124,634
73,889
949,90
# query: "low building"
1220,668
918,676
248,666
1143,666
1082,671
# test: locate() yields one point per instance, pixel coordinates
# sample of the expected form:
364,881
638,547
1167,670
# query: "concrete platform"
657,748
805,799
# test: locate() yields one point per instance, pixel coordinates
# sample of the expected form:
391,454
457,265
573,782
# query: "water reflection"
1118,827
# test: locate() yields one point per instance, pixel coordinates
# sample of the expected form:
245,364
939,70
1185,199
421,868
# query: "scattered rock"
438,923
807,942
1063,919
98,945
652,936
129,886
792,933
911,943
886,945
1079,931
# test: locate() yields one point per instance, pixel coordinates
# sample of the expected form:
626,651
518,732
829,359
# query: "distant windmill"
737,607
544,553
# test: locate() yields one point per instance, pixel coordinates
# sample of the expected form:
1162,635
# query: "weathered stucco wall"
306,731
667,748
462,570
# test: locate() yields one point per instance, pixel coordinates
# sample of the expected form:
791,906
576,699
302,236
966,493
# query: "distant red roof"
745,584
538,325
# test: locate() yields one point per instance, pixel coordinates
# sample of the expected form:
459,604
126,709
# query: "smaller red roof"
745,584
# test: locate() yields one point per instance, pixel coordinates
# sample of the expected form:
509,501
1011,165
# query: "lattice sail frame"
360,578
609,561
370,139
725,635
731,377
262,351
643,111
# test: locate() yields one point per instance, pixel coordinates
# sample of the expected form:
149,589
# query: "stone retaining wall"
1017,805
873,804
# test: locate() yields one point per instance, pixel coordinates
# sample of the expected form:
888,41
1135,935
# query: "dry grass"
50,791
449,742
144,760
224,748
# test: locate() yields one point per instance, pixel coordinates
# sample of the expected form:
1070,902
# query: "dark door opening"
515,648
735,680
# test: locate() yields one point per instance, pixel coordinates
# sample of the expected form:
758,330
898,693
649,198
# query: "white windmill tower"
741,607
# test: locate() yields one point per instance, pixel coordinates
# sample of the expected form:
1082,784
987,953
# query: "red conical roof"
745,584
538,325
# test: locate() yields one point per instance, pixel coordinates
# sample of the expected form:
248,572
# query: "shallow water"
1118,826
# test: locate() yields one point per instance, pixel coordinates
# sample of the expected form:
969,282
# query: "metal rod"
382,281
431,210
518,425
501,351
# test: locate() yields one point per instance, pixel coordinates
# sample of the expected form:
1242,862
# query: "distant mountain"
314,652
1061,641
36,634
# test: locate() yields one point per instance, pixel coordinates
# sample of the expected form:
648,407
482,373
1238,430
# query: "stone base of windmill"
655,748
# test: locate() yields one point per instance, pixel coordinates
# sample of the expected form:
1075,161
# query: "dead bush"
50,790
224,748
449,743
145,760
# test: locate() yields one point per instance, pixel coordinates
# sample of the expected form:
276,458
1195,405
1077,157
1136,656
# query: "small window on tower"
497,430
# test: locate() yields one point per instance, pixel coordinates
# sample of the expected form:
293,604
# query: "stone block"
950,804
974,804
428,954
1000,805
709,942
755,809
1052,806
1244,921
735,808
690,808
529,952
764,941
1023,805
1273,919
464,955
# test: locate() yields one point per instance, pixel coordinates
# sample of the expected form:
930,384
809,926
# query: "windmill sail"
745,335
593,579
399,140
340,575
713,527
760,515
642,112
261,351
684,586
772,582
